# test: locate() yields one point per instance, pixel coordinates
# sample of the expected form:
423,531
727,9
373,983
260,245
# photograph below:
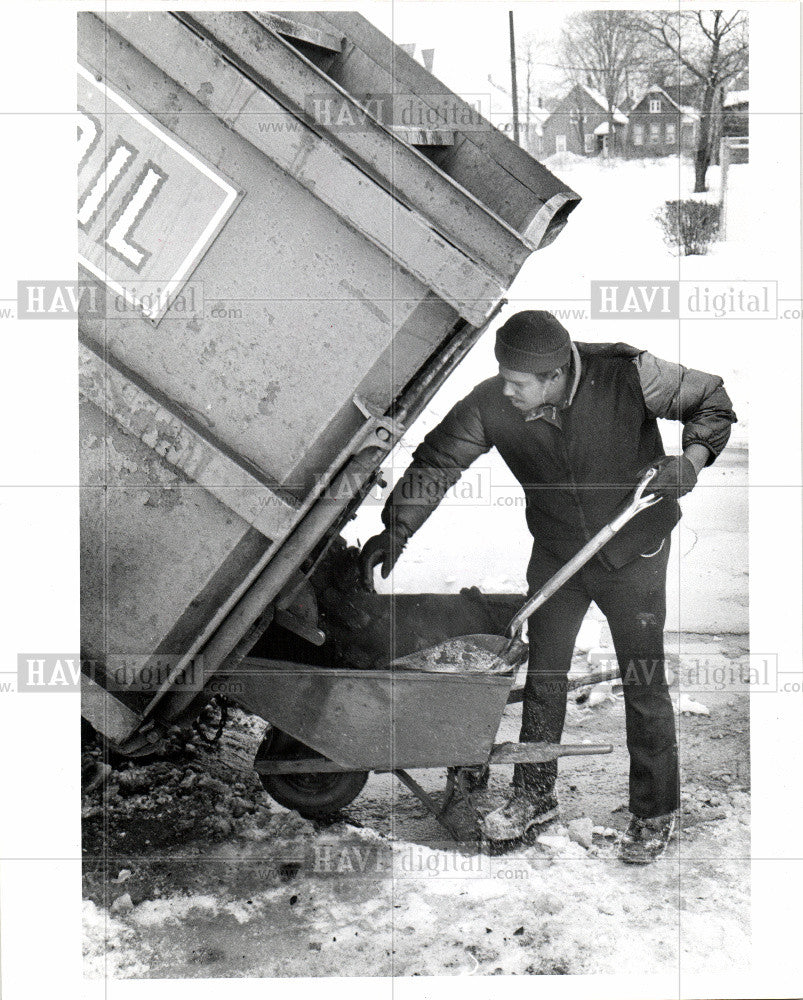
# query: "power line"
593,69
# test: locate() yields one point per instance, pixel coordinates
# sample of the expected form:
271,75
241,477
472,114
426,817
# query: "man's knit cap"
533,341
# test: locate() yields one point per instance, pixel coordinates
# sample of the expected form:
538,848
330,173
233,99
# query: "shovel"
501,653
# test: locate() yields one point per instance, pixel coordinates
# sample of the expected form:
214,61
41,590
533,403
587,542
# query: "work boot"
521,811
645,840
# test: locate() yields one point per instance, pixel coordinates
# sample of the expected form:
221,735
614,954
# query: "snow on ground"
439,912
481,539
382,890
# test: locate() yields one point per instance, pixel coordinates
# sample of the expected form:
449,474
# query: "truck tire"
312,795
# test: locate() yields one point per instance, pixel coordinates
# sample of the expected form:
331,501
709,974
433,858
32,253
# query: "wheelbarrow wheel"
312,795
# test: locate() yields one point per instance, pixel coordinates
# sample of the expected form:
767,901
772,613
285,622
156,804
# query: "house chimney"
428,55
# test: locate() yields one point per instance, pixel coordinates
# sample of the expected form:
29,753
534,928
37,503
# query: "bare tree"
532,49
599,48
712,47
527,56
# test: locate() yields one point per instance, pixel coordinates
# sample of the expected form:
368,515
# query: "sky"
475,45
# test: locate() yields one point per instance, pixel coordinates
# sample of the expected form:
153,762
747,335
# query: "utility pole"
513,80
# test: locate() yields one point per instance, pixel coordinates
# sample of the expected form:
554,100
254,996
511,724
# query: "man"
576,424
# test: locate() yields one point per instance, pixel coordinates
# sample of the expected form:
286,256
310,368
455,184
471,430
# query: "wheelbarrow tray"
379,720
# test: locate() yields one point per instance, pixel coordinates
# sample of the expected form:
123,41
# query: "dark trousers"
633,599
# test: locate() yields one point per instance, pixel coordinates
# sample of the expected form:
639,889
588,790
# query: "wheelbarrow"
439,707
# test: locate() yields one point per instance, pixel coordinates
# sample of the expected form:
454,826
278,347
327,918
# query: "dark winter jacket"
580,463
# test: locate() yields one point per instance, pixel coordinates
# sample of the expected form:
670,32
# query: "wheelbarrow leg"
449,791
439,812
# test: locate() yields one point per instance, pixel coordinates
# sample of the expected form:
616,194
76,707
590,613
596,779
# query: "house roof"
736,97
598,98
688,112
685,94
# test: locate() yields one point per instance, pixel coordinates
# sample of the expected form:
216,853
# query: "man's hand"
385,548
675,476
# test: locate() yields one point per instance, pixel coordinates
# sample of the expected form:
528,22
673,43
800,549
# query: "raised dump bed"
281,294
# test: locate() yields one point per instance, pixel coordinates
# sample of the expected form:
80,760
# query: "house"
579,124
736,124
687,95
735,113
659,126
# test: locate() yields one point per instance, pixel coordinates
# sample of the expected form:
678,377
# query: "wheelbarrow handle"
639,502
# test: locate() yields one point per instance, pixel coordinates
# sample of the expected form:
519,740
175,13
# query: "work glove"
385,548
675,476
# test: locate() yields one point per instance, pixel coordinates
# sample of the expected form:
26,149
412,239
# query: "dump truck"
295,233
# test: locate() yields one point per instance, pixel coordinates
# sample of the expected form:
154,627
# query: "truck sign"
148,206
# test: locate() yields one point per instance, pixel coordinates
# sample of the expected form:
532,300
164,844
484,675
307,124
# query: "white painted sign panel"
148,206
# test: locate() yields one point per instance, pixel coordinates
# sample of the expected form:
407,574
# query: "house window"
655,105
574,118
638,135
671,133
560,143
588,142
655,135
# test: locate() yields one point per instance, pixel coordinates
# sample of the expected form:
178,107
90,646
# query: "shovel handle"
589,550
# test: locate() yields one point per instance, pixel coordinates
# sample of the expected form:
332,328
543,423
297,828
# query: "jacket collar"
549,411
